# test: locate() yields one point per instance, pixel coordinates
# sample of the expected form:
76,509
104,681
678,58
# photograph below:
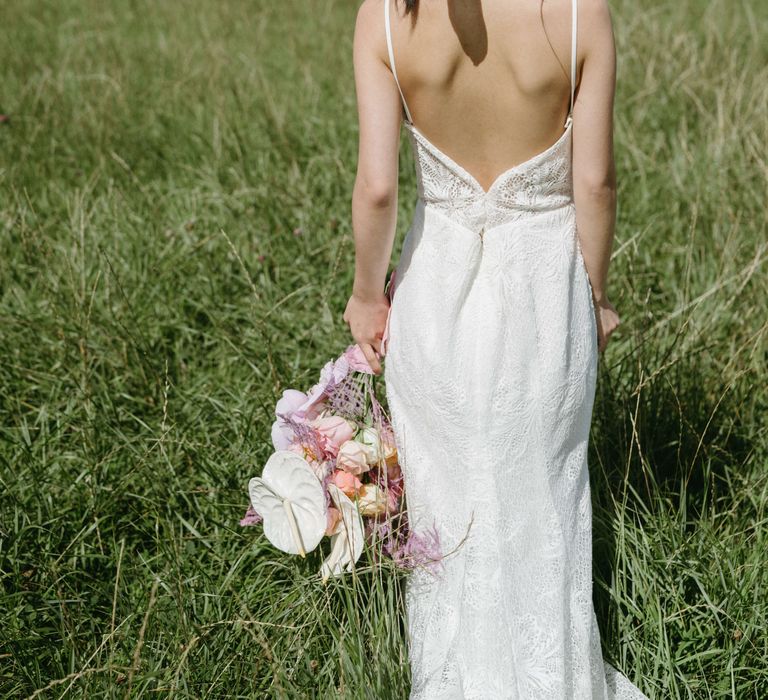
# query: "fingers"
371,356
614,325
604,335
363,318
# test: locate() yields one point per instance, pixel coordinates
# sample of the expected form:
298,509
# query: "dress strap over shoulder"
574,32
392,58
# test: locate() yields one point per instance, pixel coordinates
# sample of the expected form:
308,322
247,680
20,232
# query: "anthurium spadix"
347,537
290,498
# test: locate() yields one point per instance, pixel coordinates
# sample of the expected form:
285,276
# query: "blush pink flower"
334,431
353,458
356,359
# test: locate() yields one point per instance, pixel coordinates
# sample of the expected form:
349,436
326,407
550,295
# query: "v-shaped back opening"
500,177
467,174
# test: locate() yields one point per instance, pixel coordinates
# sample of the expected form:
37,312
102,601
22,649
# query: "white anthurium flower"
369,437
290,498
347,536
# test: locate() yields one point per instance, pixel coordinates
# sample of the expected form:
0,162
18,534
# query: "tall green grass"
176,250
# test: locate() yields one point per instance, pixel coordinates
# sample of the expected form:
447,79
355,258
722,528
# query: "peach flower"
347,482
393,471
371,500
390,452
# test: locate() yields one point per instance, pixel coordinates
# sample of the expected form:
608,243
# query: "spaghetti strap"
392,59
574,27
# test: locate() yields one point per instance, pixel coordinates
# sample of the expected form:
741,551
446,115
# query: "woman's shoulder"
594,19
370,15
595,30
369,26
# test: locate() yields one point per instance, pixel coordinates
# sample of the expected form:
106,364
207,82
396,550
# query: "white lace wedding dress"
490,373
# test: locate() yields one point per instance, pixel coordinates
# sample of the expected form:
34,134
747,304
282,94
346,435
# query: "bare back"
488,84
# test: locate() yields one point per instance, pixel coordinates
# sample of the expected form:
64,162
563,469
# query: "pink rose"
334,431
347,482
352,458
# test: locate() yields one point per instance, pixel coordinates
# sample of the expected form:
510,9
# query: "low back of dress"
453,56
542,182
490,371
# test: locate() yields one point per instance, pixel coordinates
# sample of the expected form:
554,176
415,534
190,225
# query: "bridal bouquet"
335,474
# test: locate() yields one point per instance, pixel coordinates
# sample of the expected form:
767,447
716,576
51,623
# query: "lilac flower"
419,550
287,406
251,517
408,550
333,373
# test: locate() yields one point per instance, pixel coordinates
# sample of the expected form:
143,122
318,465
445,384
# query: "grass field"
175,185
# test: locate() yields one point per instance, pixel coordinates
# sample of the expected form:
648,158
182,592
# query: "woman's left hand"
607,321
367,319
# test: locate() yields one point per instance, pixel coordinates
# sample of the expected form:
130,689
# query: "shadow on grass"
664,449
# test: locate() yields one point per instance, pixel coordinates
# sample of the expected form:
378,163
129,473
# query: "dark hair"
411,6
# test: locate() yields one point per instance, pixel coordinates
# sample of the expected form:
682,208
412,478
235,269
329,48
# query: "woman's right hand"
367,320
607,320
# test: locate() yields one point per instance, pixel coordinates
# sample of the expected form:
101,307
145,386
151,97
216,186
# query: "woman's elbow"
377,193
596,186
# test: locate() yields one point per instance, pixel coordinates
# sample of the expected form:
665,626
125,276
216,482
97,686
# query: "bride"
490,325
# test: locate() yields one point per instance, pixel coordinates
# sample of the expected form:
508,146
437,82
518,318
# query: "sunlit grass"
176,246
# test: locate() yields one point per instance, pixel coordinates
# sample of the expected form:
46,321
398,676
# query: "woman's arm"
374,198
594,173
